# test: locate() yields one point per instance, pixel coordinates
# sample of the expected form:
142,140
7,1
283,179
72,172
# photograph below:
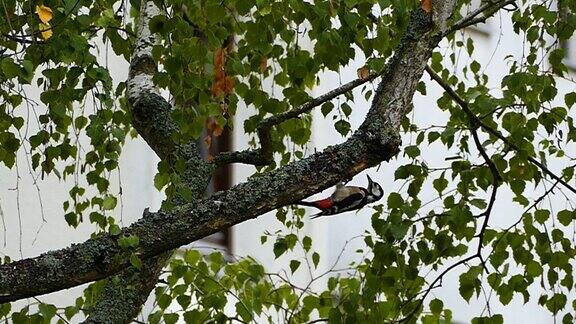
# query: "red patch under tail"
320,204
323,204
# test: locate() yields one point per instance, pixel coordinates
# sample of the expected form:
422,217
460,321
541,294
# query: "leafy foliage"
266,57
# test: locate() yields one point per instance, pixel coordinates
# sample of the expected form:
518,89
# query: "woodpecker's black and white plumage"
346,198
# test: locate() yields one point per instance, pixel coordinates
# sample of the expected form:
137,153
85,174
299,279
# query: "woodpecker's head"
375,192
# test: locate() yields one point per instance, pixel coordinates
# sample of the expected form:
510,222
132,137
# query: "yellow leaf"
45,30
44,13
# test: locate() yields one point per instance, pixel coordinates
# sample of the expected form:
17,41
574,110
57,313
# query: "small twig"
433,286
428,217
59,316
488,9
536,202
318,320
23,40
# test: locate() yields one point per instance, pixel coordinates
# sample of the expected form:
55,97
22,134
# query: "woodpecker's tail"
320,214
307,203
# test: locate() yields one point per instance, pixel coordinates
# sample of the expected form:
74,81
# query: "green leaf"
184,301
466,288
565,217
315,259
243,312
433,136
556,303
192,257
542,215
129,242
436,306
570,99
534,268
421,88
280,247
440,184
48,311
495,319
164,301
70,311
343,127
161,180
395,200
114,230
9,68
307,243
412,151
326,108
109,203
71,219
346,109
135,261
294,264
171,318
505,294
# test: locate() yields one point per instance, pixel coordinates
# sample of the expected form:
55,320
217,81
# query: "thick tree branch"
377,140
152,114
263,155
124,295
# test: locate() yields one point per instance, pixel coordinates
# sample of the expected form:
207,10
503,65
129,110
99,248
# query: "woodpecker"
346,198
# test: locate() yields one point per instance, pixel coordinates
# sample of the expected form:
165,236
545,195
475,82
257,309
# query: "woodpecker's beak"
370,182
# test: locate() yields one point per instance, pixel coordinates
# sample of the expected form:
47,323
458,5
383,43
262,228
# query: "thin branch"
263,155
434,285
536,202
485,225
23,40
491,130
488,10
423,218
474,123
320,320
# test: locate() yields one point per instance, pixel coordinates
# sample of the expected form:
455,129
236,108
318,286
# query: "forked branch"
464,105
264,155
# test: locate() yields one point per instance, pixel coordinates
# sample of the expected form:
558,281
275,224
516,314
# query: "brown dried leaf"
363,72
426,5
219,62
210,122
263,64
228,85
208,141
217,130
